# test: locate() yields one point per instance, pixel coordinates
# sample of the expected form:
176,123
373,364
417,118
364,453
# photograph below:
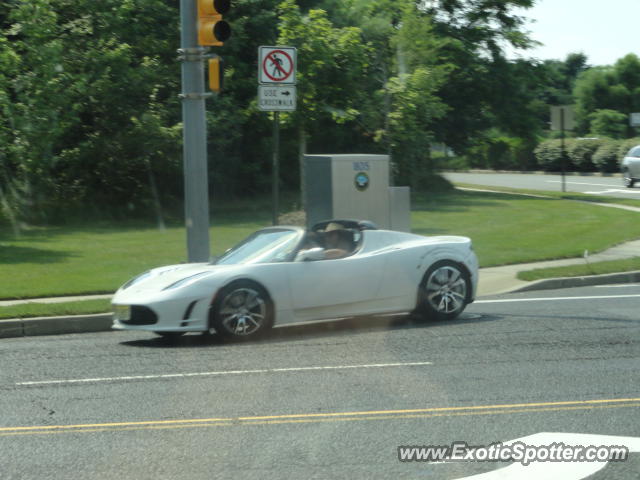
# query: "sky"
604,30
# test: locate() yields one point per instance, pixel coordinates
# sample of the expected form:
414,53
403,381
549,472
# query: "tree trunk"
4,203
156,197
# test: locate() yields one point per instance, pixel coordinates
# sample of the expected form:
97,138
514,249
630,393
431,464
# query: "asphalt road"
605,186
328,400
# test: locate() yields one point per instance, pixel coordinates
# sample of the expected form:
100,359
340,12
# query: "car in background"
280,275
631,167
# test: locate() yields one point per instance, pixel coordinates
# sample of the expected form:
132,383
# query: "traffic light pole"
196,185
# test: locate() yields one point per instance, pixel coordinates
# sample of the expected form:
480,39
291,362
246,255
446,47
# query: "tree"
476,31
559,78
9,184
73,108
608,123
608,88
332,62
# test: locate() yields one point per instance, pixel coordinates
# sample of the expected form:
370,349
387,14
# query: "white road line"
220,373
626,285
583,183
613,190
557,470
594,297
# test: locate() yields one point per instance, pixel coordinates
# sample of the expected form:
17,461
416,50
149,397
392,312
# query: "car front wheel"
444,291
627,180
242,310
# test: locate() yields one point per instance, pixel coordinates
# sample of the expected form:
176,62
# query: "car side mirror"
310,255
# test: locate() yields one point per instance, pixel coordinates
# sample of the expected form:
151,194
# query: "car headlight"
186,280
135,280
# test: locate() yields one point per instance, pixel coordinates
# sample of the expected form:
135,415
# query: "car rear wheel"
444,291
627,180
242,310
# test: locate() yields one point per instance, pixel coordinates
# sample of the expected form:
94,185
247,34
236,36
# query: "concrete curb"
588,281
101,322
30,327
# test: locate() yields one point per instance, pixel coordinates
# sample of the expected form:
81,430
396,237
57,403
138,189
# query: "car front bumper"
168,315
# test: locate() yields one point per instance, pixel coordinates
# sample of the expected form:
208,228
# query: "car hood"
160,278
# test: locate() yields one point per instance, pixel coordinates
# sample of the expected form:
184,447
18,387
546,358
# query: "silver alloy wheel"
243,311
446,290
627,180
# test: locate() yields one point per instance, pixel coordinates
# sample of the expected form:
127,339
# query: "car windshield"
265,246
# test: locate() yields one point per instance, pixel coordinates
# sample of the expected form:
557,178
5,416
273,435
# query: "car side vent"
187,312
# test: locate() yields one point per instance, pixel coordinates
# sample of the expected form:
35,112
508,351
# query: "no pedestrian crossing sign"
277,65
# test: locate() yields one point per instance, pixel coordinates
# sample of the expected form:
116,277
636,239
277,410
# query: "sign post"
562,119
275,169
276,93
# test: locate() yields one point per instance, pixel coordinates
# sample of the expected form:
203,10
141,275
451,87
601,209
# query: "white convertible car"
282,275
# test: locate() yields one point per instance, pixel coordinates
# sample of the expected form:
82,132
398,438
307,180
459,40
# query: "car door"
334,288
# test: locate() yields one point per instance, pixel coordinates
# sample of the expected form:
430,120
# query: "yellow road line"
502,409
314,420
442,409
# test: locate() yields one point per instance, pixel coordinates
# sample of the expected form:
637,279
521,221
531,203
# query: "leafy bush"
498,151
549,154
606,158
580,152
627,145
442,162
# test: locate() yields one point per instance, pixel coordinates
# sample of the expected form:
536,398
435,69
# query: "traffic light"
216,74
212,29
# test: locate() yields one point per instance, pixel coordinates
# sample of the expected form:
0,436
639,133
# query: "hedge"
584,154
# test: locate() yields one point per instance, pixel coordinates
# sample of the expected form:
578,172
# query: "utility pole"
194,129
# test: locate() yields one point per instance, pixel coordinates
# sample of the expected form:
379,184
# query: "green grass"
583,197
79,260
55,309
597,268
508,229
48,261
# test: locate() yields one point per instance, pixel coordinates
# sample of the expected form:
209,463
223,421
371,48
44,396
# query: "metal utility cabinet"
355,186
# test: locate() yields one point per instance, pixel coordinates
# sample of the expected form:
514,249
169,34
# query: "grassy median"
597,268
581,197
81,260
505,228
83,307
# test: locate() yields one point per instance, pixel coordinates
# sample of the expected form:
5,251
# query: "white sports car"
282,275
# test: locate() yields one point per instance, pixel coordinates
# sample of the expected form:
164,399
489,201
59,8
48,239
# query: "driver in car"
338,241
334,242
